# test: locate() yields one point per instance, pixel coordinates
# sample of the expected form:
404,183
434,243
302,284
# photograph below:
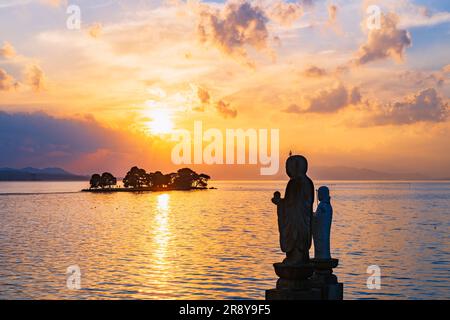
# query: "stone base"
335,292
324,264
325,292
293,272
313,280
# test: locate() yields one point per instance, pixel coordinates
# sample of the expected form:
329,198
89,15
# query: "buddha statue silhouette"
295,212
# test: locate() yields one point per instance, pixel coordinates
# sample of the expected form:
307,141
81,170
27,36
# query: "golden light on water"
162,231
163,202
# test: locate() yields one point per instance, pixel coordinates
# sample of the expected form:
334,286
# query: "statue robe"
321,230
295,218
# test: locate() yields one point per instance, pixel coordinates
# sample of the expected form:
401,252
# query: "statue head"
323,193
296,166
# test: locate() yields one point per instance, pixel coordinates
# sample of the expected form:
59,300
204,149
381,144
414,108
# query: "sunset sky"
107,96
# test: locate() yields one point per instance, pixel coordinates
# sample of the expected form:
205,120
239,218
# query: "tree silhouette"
202,180
95,181
135,178
183,179
187,179
160,180
170,177
107,180
103,181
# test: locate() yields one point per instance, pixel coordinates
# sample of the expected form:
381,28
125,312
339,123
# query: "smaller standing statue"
322,219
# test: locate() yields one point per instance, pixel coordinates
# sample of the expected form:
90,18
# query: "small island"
138,180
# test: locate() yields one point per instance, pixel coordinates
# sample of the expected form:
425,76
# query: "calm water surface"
214,244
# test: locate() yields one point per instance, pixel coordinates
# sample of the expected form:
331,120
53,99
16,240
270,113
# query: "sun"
161,122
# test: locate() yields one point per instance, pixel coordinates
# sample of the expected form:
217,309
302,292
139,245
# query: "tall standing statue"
295,212
322,225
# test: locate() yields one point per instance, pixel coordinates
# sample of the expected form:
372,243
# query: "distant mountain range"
34,174
347,173
316,173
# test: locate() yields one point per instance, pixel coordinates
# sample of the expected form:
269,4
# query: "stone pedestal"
310,281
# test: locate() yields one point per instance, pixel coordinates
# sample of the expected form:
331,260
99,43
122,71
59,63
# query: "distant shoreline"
143,189
46,180
262,180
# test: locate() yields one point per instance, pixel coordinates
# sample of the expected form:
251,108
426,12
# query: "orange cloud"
446,69
95,30
204,97
285,13
315,72
36,78
7,51
53,3
333,99
7,82
332,14
225,109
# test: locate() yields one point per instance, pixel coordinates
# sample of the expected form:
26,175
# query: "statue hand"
276,198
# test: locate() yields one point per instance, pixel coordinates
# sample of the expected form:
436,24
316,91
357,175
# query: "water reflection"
161,229
217,244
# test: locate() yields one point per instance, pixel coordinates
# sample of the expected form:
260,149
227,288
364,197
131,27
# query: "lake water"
214,244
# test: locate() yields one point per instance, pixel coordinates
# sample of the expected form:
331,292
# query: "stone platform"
309,281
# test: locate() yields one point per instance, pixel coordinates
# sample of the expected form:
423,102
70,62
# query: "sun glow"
161,122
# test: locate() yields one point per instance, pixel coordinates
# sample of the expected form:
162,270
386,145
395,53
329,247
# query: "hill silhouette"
36,174
349,173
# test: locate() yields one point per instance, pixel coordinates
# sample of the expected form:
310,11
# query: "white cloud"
387,42
235,27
